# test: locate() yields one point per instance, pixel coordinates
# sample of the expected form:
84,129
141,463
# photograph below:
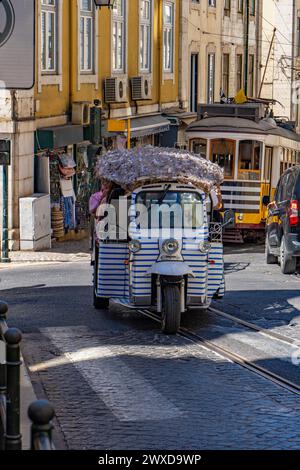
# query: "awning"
58,136
148,125
183,116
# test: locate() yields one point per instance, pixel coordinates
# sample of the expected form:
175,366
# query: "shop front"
62,171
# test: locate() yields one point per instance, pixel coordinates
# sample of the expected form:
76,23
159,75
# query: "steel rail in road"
233,357
252,326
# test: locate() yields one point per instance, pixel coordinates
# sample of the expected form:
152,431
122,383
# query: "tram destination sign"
17,44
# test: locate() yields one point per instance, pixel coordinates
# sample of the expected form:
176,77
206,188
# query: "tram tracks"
234,357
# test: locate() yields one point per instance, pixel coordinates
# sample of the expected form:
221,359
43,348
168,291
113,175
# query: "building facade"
213,51
124,60
295,95
234,47
200,58
278,45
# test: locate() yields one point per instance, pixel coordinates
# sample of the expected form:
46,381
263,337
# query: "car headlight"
204,247
170,247
134,246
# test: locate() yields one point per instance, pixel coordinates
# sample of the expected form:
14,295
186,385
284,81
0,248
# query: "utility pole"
247,47
267,62
5,155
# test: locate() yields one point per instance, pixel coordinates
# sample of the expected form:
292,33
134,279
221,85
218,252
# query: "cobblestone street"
116,382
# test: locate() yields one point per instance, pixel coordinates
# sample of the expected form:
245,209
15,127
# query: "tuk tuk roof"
132,168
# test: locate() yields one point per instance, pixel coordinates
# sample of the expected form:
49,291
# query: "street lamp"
104,3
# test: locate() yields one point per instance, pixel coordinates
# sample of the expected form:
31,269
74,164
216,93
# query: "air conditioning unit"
115,90
141,88
81,113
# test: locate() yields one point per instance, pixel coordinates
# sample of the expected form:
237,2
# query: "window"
168,19
178,210
194,83
249,160
227,6
222,153
49,36
86,32
239,72
268,163
240,6
145,34
251,76
212,3
211,78
199,146
252,7
119,36
225,74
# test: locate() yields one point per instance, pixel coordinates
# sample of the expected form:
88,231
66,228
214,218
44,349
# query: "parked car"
283,224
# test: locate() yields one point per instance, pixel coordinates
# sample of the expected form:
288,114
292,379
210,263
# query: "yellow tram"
253,150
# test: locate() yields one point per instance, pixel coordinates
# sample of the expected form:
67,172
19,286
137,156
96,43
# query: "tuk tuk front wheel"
171,309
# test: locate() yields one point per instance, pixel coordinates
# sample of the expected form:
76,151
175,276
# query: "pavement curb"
27,397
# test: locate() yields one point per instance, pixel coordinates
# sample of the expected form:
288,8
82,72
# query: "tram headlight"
134,246
170,247
204,247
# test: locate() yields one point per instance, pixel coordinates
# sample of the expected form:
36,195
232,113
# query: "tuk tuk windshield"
169,208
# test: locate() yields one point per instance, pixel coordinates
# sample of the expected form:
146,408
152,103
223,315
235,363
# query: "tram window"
199,146
249,160
222,153
268,163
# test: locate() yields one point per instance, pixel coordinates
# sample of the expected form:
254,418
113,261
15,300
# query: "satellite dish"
9,21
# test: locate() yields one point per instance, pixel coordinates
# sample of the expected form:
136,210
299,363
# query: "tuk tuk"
156,245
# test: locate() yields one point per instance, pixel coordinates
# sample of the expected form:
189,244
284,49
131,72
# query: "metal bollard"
41,413
3,328
13,438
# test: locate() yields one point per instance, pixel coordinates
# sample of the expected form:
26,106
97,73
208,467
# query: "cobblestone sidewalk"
70,251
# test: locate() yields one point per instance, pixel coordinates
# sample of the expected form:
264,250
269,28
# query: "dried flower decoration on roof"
132,168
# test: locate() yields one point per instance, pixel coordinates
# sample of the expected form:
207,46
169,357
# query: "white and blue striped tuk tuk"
157,247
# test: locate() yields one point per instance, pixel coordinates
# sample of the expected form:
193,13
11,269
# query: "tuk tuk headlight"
170,247
204,247
134,246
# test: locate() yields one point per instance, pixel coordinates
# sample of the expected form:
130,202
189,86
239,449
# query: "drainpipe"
181,55
247,21
160,60
293,112
71,49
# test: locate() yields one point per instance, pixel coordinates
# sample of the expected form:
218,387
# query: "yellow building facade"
70,81
126,61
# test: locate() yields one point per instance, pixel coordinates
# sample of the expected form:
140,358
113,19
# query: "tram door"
268,167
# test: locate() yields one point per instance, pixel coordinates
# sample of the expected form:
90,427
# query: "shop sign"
115,125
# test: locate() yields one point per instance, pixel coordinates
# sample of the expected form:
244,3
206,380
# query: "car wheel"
270,259
287,264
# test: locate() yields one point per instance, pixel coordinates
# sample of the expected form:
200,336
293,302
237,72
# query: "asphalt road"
117,383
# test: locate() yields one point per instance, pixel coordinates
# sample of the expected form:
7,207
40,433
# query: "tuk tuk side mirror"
266,200
229,218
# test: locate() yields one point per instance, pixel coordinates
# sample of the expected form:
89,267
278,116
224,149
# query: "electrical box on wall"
5,153
35,222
